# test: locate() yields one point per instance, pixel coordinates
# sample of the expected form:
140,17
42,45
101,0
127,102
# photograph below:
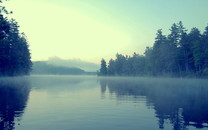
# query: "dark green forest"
181,53
14,52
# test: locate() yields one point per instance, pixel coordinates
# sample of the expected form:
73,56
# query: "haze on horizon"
90,30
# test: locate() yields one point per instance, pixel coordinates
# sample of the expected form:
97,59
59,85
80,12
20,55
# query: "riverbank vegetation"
178,54
14,49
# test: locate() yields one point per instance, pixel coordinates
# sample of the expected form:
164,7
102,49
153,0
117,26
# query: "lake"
96,103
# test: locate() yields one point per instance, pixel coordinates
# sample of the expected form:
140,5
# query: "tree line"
14,50
178,54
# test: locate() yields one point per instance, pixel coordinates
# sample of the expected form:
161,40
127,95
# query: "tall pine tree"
14,50
103,68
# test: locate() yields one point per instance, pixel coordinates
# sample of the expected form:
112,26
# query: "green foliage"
111,67
178,54
103,68
14,52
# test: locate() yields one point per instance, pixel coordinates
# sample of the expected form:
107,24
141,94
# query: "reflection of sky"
68,102
179,102
82,108
90,29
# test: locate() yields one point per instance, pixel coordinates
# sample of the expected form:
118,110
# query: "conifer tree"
103,68
14,50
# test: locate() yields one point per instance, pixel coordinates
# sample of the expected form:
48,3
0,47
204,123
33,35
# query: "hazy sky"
93,29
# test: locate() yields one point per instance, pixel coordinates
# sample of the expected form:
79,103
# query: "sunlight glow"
57,31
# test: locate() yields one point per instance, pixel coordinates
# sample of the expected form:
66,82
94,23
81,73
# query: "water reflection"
182,103
14,94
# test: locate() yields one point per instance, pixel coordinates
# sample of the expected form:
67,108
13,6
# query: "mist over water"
90,102
181,102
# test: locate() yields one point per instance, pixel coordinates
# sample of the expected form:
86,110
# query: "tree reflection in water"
181,102
14,94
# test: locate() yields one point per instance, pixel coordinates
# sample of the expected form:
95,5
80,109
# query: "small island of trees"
15,57
179,54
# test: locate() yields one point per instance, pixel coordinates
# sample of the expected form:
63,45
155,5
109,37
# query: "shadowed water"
14,94
95,103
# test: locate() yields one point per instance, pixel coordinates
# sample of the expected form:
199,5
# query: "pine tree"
14,50
103,68
119,63
196,48
159,54
148,61
183,51
205,54
173,44
111,67
178,54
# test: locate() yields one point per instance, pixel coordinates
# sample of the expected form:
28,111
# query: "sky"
89,30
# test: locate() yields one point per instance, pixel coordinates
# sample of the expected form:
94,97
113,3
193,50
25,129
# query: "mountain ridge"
86,66
42,67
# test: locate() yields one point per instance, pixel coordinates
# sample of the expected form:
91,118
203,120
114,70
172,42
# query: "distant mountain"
87,66
42,67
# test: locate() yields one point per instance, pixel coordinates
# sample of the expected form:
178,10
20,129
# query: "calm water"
92,103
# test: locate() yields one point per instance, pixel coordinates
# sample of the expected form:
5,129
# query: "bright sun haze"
91,30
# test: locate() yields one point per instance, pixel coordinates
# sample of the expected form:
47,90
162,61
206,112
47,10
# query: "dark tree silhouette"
103,68
111,67
14,51
178,54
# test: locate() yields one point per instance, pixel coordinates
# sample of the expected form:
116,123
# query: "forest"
178,54
14,49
